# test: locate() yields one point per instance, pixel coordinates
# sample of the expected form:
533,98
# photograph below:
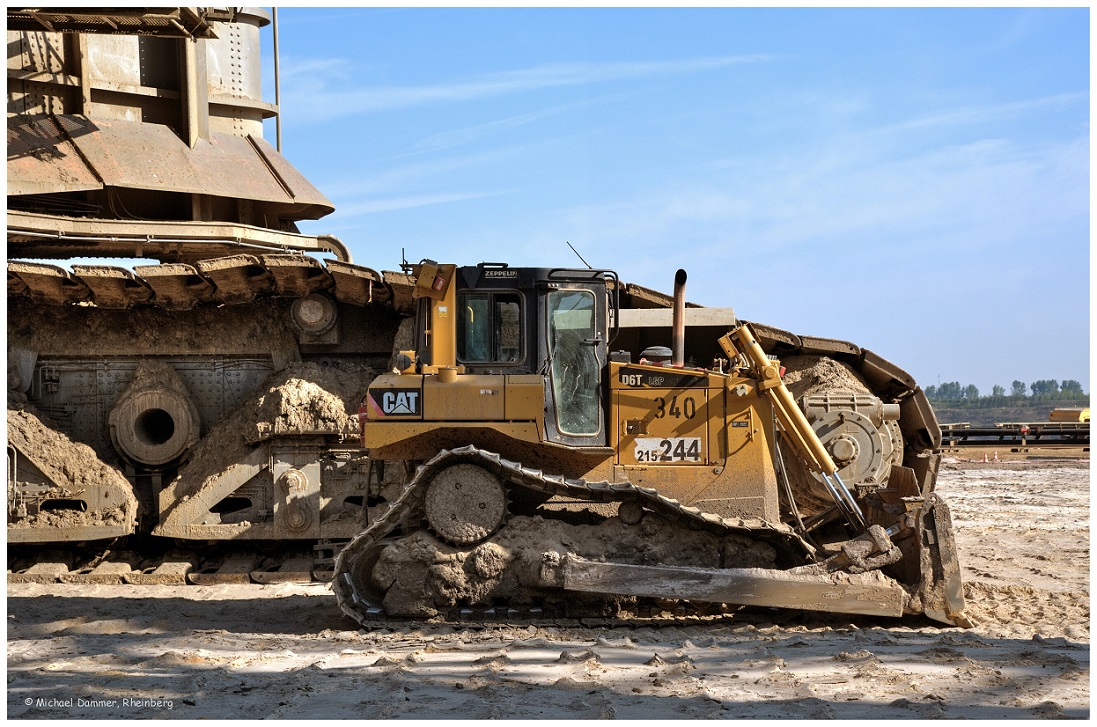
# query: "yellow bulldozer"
538,468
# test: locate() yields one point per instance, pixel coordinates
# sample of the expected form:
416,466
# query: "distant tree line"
1043,390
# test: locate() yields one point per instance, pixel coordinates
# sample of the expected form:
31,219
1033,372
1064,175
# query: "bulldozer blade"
869,594
942,589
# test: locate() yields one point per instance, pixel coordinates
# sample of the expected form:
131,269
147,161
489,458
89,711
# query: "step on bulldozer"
542,457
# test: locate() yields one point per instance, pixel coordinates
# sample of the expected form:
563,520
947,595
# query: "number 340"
688,408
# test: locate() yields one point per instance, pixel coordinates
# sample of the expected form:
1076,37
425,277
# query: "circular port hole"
154,426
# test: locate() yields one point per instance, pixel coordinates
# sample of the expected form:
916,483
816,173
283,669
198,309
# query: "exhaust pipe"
679,320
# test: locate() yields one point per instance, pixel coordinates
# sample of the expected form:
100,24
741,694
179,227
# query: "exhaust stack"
679,320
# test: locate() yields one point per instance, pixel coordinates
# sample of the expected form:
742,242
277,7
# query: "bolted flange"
465,504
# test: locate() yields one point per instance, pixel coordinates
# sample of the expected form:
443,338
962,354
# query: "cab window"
489,328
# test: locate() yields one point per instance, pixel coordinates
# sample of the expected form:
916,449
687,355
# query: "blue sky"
913,180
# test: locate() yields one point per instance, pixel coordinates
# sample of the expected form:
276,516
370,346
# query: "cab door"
574,337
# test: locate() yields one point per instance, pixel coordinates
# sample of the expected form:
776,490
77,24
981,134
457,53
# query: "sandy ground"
283,651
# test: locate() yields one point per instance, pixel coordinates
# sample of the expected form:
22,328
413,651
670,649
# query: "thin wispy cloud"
458,137
325,103
306,70
987,193
384,179
984,114
392,204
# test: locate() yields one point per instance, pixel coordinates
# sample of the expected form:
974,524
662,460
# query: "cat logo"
400,402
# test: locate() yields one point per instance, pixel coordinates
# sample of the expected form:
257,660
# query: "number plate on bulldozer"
670,449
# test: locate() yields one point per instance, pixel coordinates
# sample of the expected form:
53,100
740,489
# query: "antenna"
578,255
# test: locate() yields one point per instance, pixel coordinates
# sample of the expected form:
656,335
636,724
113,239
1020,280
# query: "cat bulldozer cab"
514,403
488,336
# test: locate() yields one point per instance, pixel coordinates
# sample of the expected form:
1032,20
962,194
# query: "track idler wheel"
464,504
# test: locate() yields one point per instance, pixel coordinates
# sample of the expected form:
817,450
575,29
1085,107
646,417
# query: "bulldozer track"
403,511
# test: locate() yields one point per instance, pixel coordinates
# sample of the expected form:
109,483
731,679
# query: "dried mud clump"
817,375
310,399
155,375
301,399
422,576
74,469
